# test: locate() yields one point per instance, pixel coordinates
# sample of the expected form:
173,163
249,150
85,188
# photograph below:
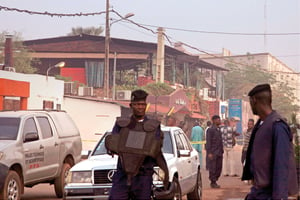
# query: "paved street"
232,188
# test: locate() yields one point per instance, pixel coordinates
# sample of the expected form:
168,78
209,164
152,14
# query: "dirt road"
232,188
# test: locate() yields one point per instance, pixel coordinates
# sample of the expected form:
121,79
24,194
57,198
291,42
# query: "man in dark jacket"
214,150
270,162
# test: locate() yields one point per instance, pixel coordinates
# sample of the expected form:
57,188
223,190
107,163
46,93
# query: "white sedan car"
92,178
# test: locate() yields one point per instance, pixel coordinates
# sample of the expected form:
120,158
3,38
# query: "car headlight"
159,174
79,177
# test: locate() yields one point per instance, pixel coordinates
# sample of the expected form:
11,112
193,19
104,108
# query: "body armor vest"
134,143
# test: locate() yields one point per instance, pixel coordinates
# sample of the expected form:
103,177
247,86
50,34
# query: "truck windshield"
9,128
167,146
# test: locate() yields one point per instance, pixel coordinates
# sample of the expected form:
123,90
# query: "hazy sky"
194,18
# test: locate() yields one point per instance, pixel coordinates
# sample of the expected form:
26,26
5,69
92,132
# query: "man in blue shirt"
270,162
197,138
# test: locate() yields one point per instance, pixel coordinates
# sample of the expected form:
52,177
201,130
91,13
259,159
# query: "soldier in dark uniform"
214,149
133,179
270,162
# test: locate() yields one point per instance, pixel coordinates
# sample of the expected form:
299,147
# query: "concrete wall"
91,117
41,89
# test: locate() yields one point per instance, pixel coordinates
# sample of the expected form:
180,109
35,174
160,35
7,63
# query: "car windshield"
9,128
100,148
167,146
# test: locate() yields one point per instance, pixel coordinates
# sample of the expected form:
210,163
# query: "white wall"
40,88
91,117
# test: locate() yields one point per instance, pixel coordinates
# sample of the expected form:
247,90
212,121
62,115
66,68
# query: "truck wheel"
12,187
60,181
196,194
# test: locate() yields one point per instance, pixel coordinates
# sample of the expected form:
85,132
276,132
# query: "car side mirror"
31,136
85,154
184,153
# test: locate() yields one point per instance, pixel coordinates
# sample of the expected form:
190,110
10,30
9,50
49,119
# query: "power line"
133,22
229,60
192,47
294,55
222,33
140,24
122,24
144,26
51,14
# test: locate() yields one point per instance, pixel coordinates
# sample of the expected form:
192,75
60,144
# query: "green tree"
158,89
241,79
88,30
22,61
283,98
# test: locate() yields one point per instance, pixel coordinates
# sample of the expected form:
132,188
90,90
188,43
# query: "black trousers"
243,158
215,168
207,162
140,188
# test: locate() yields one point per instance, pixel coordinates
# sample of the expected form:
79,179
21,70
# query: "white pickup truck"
92,178
36,147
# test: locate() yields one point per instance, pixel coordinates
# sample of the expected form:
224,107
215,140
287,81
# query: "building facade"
33,91
282,73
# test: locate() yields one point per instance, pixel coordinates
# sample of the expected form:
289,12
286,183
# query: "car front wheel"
196,194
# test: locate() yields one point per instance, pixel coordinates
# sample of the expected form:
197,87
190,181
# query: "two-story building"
282,73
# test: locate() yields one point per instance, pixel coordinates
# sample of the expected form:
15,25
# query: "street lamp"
115,58
125,17
60,64
106,49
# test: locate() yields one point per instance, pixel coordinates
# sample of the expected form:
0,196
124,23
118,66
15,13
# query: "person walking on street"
228,134
133,178
270,162
246,139
197,138
208,124
214,149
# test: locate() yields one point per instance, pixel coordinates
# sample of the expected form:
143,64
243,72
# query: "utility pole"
160,56
106,58
266,21
114,77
